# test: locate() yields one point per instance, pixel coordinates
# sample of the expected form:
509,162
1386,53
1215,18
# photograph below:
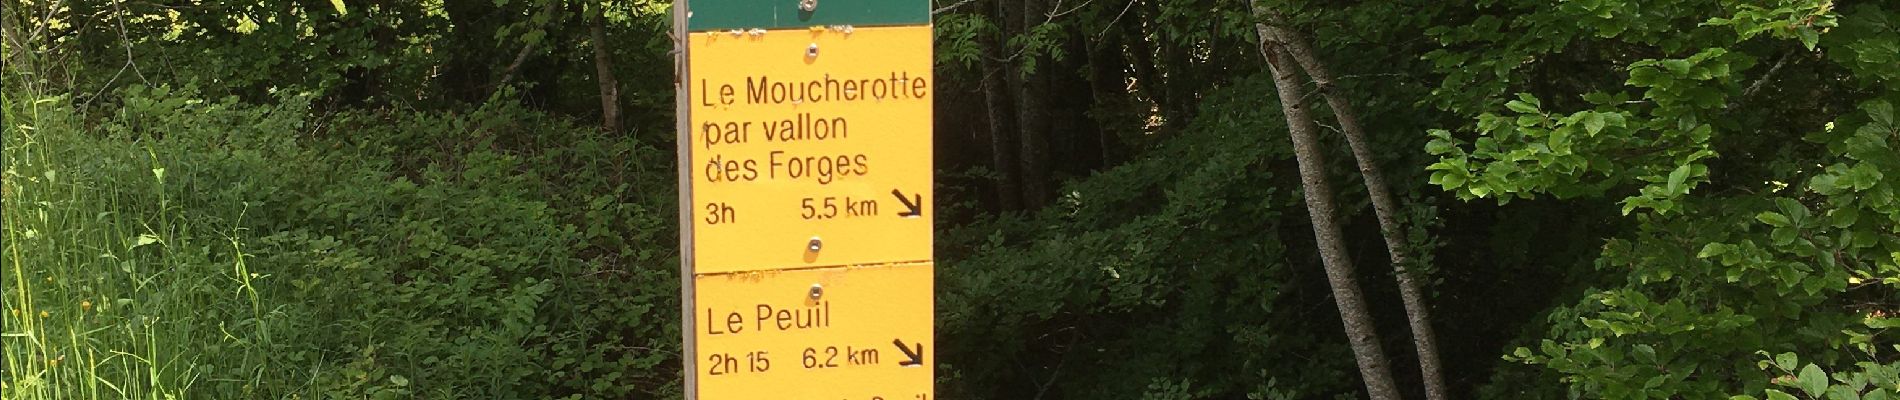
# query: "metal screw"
817,291
807,5
815,244
811,51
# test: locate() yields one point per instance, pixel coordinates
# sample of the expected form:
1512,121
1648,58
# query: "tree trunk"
998,104
1148,78
1360,332
604,71
1033,116
1418,315
1108,88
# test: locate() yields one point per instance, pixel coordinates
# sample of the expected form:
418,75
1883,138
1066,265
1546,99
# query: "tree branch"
948,8
508,75
1752,88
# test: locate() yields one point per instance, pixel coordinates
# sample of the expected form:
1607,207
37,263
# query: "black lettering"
703,99
917,88
756,91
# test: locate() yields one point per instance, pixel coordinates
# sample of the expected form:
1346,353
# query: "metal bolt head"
807,5
811,51
817,291
814,245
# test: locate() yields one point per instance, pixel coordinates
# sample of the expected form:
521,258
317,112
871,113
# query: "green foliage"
1785,248
118,285
489,264
1870,380
1158,278
502,245
957,39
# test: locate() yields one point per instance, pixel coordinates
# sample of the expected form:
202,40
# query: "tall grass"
109,292
158,245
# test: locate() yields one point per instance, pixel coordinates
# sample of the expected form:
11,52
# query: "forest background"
1619,199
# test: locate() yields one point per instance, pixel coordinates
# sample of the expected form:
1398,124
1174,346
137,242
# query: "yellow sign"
857,333
810,147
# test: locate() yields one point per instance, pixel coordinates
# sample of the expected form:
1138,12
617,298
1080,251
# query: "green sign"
708,15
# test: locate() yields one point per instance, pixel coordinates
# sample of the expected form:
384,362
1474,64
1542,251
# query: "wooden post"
682,125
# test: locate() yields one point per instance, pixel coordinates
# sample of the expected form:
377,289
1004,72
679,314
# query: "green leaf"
1521,107
1712,250
1842,393
1783,237
1677,67
1645,353
1779,395
1599,98
1644,77
1526,121
1786,361
1593,122
1528,98
1676,179
1844,217
1809,37
1773,219
1615,119
1448,179
1655,382
1444,166
1881,112
1596,324
144,239
1812,380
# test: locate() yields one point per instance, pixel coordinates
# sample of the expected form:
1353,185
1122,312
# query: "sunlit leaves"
1803,20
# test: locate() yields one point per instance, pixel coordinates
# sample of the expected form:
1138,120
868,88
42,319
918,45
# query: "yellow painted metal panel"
810,133
763,335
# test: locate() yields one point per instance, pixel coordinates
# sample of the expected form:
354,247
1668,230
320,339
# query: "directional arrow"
916,356
916,207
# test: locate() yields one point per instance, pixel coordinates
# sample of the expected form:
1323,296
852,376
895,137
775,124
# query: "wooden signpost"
805,193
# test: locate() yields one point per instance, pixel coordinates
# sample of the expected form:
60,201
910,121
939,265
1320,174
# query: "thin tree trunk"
1417,313
996,102
1148,77
604,72
1179,66
999,106
1033,116
1108,87
1360,332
